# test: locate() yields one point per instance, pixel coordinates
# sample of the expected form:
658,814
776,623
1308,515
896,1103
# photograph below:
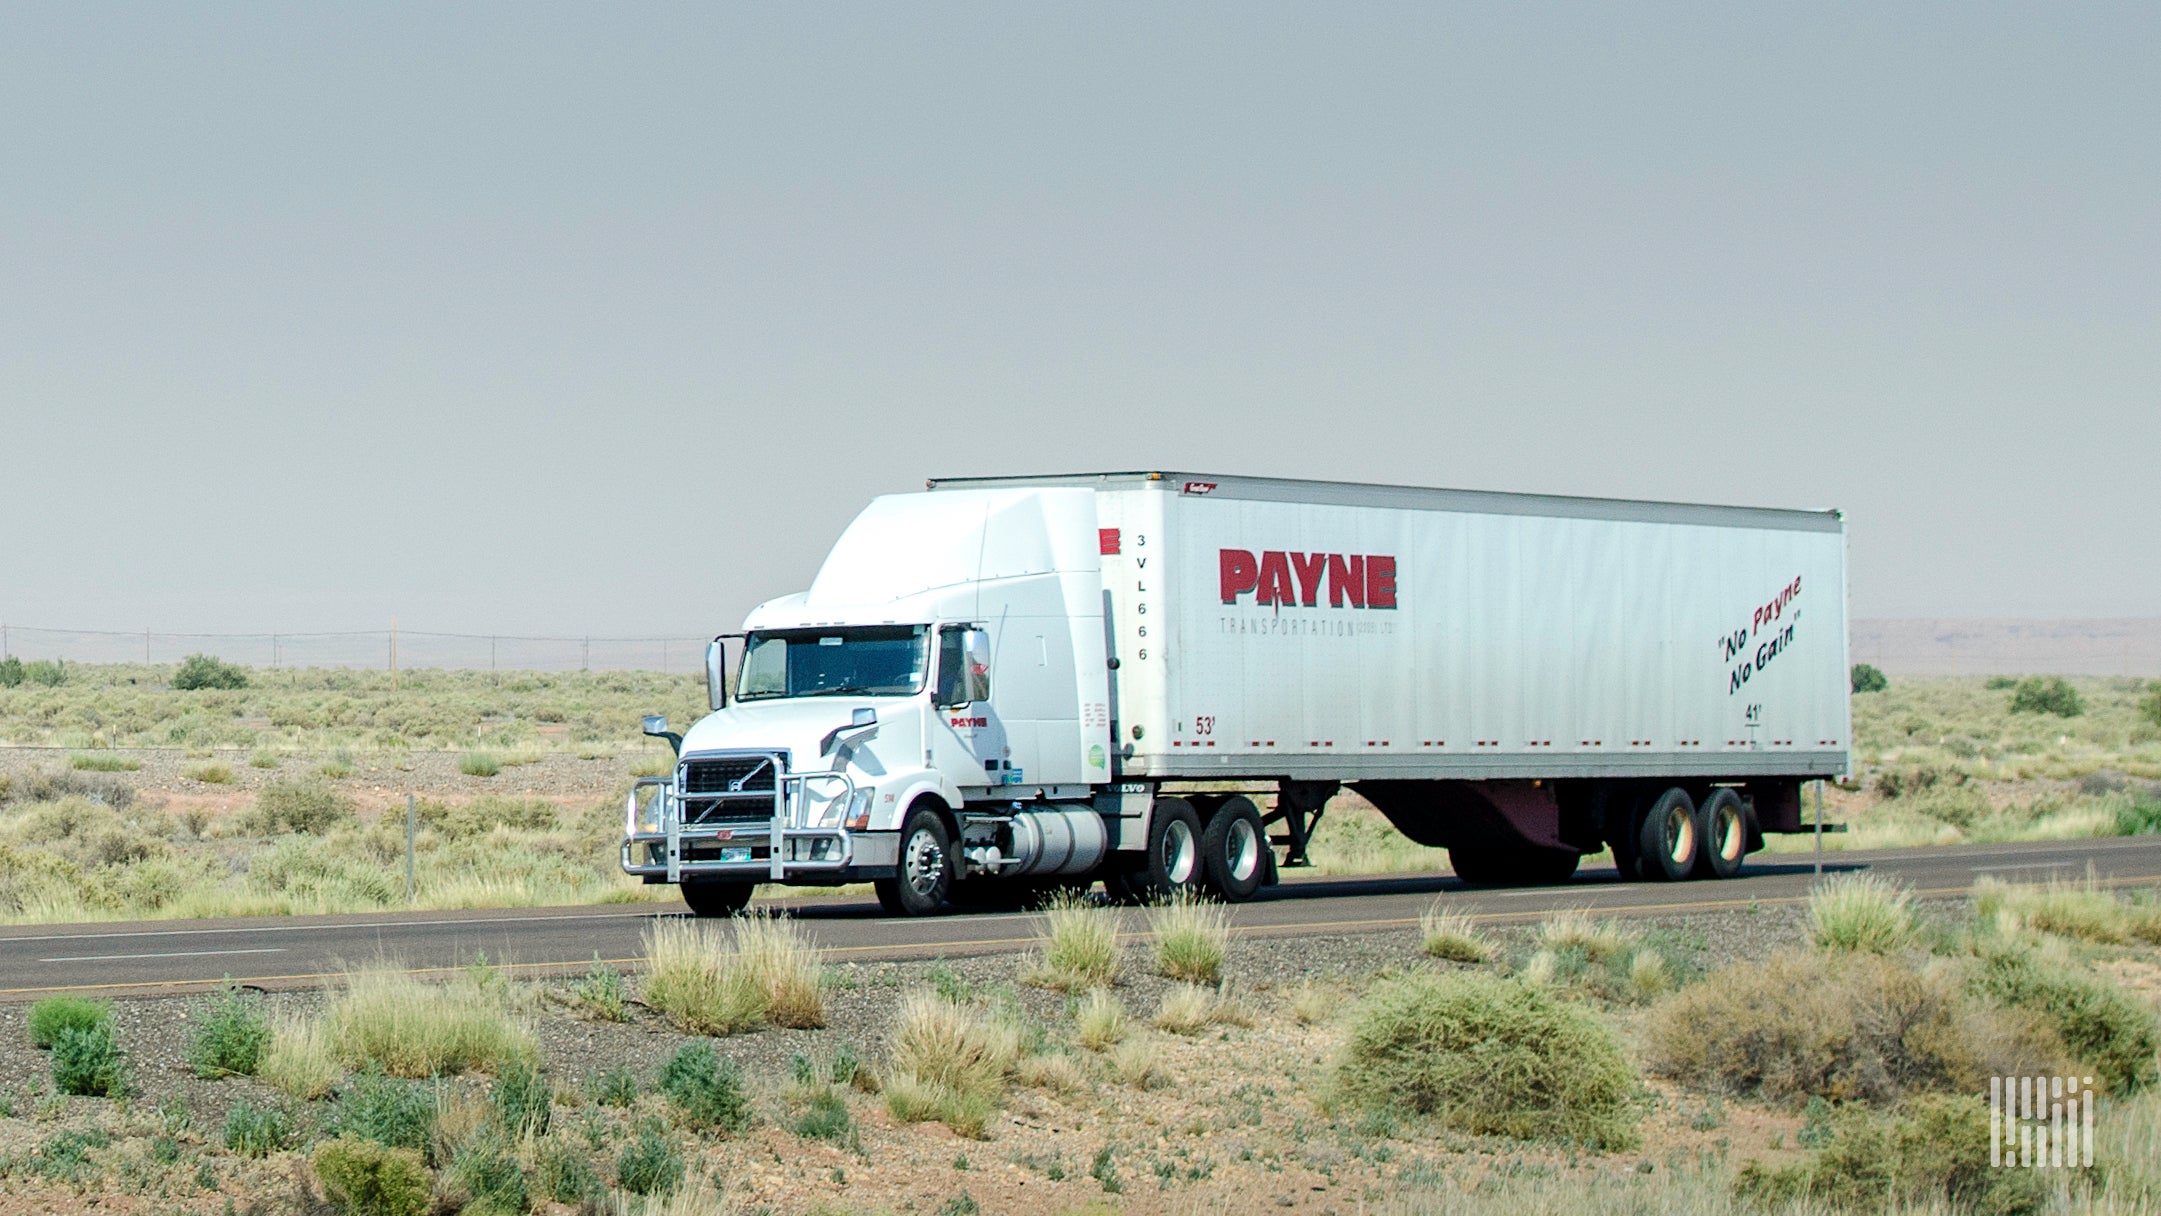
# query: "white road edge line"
109,958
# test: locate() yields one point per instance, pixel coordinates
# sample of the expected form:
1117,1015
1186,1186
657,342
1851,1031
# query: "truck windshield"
882,660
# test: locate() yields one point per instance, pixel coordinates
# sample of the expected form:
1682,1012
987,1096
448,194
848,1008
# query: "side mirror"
975,651
656,725
716,674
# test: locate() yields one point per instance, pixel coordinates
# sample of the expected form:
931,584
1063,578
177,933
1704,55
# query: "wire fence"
1920,646
390,649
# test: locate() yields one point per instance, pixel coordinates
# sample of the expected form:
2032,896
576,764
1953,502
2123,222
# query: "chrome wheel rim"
1730,836
1681,831
1244,852
926,862
1179,852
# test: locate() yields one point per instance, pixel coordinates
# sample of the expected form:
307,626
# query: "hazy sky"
607,318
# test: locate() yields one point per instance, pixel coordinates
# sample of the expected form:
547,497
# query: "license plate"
739,853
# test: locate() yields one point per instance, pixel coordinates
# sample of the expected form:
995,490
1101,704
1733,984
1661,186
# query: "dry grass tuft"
1861,912
949,1063
704,983
1193,1008
1100,1020
1313,1004
1574,930
1453,936
1054,1071
1192,936
299,1062
2082,910
785,965
1135,1064
409,1028
1079,945
696,1199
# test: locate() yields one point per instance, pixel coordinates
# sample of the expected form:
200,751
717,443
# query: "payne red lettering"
1288,579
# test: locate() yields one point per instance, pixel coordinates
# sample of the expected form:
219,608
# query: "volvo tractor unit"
1003,686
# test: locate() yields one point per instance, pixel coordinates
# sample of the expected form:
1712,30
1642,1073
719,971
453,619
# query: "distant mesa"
2117,646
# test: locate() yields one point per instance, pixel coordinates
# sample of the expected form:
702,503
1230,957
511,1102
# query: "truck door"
967,741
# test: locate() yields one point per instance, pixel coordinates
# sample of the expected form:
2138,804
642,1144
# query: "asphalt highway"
161,957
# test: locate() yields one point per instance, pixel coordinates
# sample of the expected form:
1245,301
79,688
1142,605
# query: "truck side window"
952,667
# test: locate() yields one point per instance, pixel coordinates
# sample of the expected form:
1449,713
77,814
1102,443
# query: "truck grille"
729,789
722,775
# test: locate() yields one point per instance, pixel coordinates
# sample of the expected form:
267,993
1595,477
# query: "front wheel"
709,898
1231,850
926,867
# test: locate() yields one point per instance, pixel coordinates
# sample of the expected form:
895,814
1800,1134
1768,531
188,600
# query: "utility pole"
146,645
393,654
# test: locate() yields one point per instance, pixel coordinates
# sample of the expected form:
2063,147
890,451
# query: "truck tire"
1669,842
1232,848
1722,826
707,897
1173,861
926,866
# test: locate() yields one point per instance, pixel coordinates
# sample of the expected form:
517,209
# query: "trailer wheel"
926,866
1173,861
1670,841
1234,848
1722,824
709,898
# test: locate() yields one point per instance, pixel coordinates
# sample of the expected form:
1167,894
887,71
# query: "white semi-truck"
1003,686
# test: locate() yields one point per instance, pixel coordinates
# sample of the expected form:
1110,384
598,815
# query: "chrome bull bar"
791,805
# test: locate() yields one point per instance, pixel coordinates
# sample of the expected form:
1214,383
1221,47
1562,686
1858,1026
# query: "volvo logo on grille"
736,786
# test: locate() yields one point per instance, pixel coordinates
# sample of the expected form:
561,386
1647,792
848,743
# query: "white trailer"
1002,685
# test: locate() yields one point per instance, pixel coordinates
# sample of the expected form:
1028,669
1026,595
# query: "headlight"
858,816
643,820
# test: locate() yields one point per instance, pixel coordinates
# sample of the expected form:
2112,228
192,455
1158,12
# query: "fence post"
411,821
